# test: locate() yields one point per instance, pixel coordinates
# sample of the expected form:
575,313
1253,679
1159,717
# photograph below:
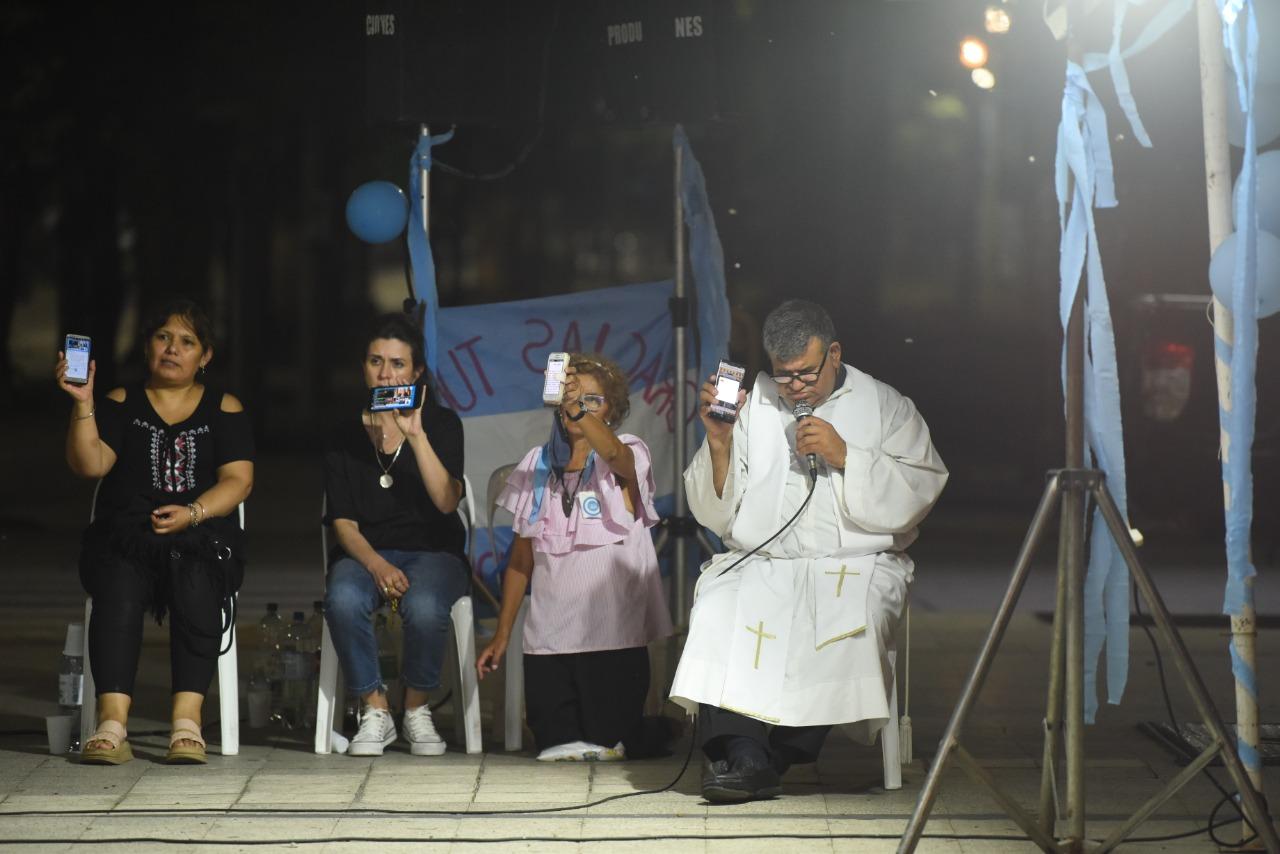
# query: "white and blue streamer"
1240,32
420,258
1161,22
1084,180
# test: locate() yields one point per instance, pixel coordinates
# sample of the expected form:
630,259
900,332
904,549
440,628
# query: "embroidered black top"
403,516
159,463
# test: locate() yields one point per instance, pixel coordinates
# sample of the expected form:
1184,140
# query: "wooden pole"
1217,168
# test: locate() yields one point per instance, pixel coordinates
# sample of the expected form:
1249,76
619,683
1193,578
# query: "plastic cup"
58,728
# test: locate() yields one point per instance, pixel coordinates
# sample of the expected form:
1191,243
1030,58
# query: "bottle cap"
272,607
75,640
318,604
298,616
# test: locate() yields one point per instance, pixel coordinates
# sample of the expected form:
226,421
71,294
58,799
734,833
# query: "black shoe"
745,779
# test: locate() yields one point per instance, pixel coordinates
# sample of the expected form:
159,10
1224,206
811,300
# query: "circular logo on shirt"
591,507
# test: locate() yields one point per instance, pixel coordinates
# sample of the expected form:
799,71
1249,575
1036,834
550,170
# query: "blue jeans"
436,581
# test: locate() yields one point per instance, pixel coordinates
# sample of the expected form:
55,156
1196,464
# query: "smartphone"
387,397
729,377
77,350
553,382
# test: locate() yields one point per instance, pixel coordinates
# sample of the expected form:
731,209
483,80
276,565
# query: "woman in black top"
393,481
175,459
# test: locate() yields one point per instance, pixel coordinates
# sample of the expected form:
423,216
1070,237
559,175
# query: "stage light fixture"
996,20
973,53
983,78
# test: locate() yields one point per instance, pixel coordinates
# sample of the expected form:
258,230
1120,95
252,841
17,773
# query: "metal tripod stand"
1073,485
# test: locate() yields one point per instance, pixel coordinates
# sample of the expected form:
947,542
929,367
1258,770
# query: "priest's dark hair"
789,327
398,326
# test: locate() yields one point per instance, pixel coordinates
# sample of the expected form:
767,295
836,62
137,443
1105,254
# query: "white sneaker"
582,751
377,730
596,753
421,732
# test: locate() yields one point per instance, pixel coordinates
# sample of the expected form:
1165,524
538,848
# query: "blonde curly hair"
613,382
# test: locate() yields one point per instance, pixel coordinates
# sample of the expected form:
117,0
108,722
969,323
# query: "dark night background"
208,149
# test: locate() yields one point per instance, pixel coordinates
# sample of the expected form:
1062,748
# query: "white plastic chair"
895,736
228,676
510,722
466,685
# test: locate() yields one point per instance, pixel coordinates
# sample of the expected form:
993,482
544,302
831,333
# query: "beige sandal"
117,753
185,729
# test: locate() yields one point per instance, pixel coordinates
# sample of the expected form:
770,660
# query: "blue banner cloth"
418,238
706,259
487,360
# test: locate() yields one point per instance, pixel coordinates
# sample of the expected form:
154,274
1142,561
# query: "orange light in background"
996,19
983,78
973,53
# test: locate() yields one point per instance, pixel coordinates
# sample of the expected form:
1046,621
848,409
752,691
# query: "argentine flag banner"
487,361
491,362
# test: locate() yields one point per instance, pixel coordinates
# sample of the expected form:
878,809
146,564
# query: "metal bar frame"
1072,486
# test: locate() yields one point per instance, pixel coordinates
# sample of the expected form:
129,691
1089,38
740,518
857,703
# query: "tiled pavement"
276,791
455,802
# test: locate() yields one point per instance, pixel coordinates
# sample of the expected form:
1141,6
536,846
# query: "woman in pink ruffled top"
583,506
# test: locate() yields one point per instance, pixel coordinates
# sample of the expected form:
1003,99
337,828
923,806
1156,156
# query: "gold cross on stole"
761,637
844,571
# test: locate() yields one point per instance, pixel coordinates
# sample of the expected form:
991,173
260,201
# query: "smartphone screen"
394,397
553,384
77,350
729,377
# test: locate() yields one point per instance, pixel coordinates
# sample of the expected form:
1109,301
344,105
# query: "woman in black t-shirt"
393,481
175,459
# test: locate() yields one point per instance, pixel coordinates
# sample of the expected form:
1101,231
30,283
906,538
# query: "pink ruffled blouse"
595,583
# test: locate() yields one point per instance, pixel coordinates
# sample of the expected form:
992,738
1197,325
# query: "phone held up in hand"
554,378
388,397
77,349
729,377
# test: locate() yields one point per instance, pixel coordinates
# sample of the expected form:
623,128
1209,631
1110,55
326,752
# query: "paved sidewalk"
448,802
277,790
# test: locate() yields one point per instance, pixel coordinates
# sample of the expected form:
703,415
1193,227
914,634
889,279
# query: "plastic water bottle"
71,681
297,670
268,665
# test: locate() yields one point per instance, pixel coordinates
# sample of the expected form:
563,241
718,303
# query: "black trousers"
597,697
124,590
786,745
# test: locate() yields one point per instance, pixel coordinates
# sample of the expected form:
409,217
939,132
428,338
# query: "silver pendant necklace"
386,479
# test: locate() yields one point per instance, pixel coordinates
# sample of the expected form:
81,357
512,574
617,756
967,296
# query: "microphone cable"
813,483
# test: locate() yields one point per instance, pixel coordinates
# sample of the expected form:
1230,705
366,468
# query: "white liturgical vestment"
798,634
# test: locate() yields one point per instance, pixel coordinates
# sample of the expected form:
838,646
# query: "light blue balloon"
1222,267
377,211
1268,196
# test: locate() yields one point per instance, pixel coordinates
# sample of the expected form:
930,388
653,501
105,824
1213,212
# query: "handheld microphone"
804,410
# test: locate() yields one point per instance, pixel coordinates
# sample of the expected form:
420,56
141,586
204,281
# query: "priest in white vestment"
794,638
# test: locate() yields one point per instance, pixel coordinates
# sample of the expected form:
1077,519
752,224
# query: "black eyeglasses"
807,378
